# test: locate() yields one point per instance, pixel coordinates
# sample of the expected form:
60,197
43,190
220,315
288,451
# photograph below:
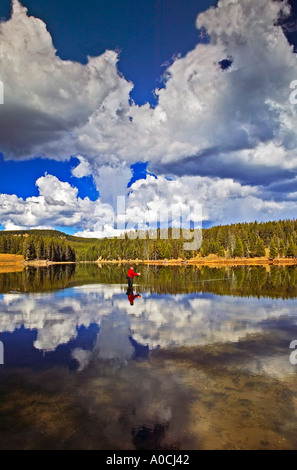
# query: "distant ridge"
50,233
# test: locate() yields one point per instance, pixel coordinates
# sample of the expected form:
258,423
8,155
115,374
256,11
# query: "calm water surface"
195,358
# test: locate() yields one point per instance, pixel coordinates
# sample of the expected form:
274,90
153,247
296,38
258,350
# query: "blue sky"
218,135
148,35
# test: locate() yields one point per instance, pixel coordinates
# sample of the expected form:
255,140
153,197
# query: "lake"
194,358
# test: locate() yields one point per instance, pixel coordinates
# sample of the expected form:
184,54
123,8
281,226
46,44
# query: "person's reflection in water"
131,295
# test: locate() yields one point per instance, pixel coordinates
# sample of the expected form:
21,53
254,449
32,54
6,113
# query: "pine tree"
282,248
275,238
272,250
238,248
29,252
229,251
40,248
25,247
246,252
221,251
260,248
291,250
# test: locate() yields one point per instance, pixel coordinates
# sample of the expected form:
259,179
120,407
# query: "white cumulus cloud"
149,201
230,128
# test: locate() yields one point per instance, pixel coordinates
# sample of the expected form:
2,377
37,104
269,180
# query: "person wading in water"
130,275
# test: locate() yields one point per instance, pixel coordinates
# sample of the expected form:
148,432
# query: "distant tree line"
148,248
242,240
250,240
37,247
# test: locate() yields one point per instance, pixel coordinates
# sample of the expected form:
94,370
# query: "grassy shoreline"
207,262
10,259
18,261
12,262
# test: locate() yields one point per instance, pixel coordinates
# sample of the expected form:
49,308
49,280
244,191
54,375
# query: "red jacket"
131,273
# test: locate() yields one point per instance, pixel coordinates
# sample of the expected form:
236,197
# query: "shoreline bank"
17,262
207,262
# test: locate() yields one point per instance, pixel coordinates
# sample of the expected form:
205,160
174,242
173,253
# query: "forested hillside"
37,247
243,240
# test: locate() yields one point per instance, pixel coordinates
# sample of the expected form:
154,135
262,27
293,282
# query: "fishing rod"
209,280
